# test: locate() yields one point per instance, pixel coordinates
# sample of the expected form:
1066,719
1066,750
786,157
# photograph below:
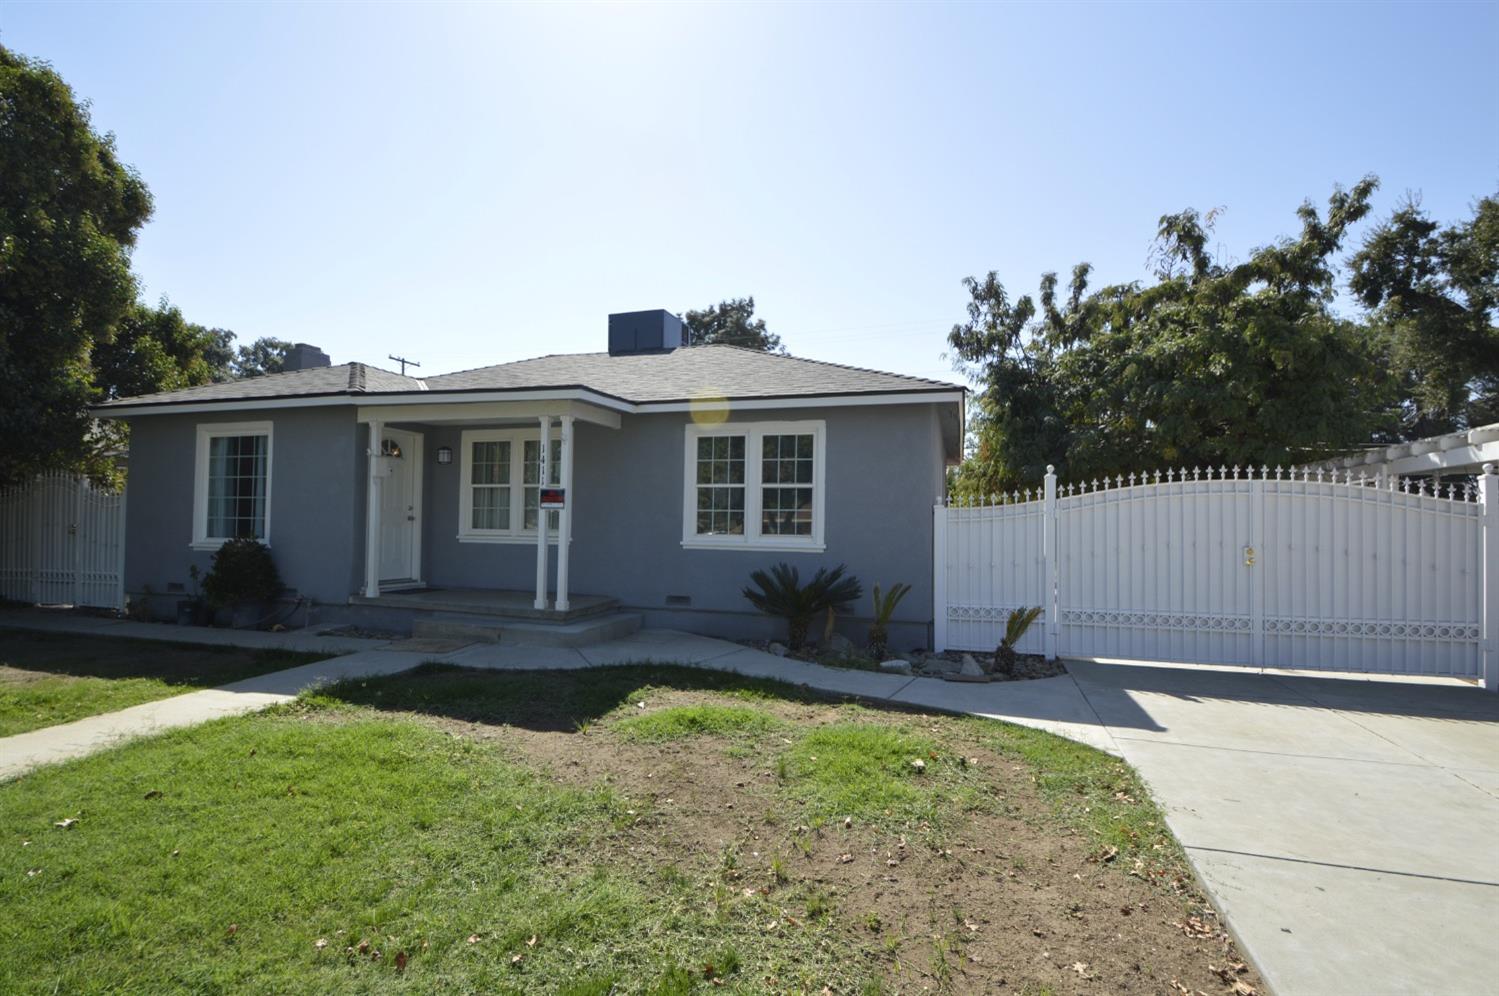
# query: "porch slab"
488,602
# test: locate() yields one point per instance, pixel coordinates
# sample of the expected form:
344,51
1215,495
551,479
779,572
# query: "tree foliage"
733,323
263,356
1433,295
1212,363
69,213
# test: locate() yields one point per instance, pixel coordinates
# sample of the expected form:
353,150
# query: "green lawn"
625,830
46,679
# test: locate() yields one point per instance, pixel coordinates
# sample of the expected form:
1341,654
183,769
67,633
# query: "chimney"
303,356
632,332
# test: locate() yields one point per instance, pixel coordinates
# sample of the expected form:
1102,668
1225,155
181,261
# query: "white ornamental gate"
1296,569
62,542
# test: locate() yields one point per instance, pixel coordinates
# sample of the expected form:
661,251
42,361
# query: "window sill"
702,544
214,544
520,539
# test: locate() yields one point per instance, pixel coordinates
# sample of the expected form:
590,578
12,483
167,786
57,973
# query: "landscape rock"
840,645
937,664
896,666
779,649
970,667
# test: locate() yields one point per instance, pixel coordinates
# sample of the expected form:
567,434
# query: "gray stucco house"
672,472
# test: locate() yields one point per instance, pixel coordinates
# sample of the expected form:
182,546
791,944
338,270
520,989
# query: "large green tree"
733,323
1433,295
69,213
1209,364
156,349
263,356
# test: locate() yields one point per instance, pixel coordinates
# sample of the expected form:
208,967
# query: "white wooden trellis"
62,542
1250,566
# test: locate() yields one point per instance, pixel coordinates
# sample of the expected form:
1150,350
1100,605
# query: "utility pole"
403,362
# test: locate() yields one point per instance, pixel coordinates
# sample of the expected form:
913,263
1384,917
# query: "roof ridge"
830,363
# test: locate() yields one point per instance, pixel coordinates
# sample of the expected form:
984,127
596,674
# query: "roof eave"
571,392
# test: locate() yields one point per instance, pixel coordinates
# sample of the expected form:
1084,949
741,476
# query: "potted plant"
781,593
884,608
192,611
241,583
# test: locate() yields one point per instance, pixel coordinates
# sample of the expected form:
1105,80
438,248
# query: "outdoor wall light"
445,454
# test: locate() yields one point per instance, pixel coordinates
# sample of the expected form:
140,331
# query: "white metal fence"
62,542
1289,569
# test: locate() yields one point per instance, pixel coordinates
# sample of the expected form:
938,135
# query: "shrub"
884,608
781,593
1019,621
242,571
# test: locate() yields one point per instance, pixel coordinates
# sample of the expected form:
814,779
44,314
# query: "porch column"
541,515
565,517
373,493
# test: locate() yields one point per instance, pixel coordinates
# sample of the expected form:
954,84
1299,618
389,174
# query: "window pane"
491,508
786,511
491,462
237,486
720,478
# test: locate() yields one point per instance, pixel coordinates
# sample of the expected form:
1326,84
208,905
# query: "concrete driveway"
1348,829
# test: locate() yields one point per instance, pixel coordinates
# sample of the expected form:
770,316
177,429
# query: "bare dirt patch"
1005,889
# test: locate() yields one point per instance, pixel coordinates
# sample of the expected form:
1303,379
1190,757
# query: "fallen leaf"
848,821
1109,854
516,959
320,943
919,765
364,946
1242,988
233,929
154,794
532,942
844,859
66,824
473,938
400,961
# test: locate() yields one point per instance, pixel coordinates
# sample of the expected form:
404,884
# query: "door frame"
413,453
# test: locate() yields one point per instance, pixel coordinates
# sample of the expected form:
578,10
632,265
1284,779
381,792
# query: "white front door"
400,508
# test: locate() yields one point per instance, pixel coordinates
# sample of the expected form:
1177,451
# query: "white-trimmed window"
232,483
500,492
755,485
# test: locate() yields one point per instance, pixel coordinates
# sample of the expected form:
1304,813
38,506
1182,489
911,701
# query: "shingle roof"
684,374
680,375
346,378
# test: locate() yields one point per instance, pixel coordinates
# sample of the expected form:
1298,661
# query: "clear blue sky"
469,184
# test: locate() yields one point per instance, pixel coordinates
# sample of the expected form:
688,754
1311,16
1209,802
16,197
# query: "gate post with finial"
1488,494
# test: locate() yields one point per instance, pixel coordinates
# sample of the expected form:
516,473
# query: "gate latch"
1249,556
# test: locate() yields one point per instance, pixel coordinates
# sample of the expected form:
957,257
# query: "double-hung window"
754,485
500,495
232,483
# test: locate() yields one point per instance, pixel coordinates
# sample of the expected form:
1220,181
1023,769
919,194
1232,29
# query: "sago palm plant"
779,592
884,608
1019,621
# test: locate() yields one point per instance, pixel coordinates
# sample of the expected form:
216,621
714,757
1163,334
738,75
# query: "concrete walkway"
1348,829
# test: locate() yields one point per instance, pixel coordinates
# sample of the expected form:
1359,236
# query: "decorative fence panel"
1279,569
62,542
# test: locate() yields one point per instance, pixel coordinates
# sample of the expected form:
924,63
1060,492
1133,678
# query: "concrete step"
515,632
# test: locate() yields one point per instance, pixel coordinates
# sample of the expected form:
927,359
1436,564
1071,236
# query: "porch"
462,497
499,604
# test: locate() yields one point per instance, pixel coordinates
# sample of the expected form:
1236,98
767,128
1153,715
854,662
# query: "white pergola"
1436,456
543,412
